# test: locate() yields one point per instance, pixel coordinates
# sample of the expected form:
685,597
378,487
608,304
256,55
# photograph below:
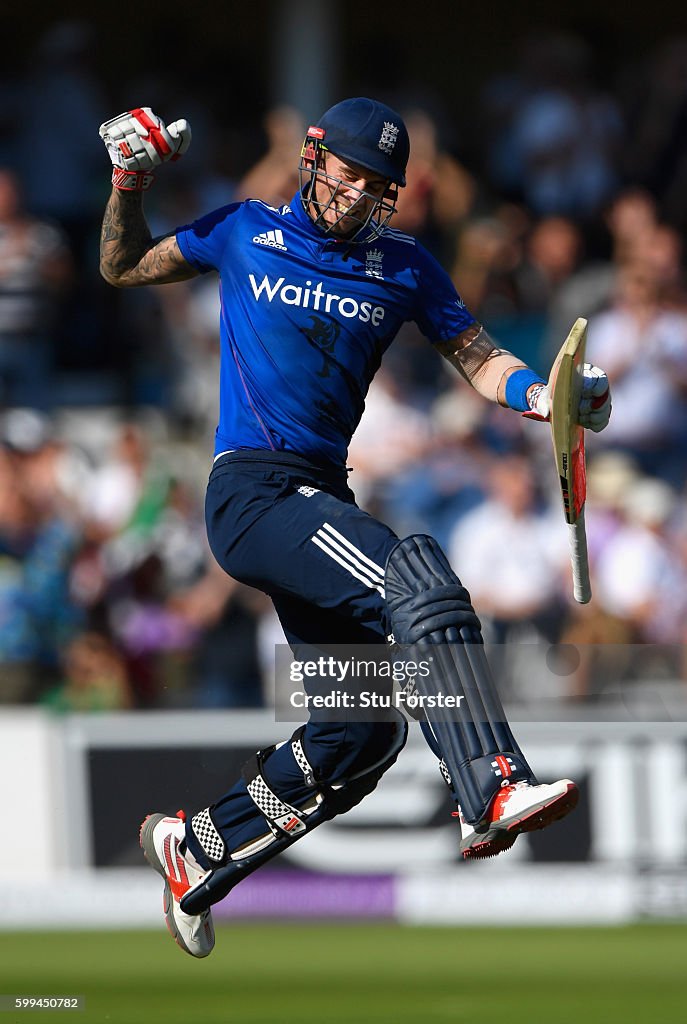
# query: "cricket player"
311,294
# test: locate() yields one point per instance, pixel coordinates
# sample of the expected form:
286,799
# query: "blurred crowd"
575,205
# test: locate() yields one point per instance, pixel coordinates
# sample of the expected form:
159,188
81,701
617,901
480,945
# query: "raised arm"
137,142
129,256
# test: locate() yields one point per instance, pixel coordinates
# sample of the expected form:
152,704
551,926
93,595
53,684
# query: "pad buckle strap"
445,774
207,835
281,817
301,760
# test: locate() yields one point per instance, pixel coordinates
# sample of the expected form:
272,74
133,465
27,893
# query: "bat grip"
582,589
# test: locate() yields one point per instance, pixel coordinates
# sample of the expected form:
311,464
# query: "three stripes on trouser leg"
341,550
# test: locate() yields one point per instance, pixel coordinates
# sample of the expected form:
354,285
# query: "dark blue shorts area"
293,530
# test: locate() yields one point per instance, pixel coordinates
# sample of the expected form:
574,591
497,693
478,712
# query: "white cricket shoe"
517,808
160,837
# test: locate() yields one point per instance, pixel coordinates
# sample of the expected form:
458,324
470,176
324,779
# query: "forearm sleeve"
480,362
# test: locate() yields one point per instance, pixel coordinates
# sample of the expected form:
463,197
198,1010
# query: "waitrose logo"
308,297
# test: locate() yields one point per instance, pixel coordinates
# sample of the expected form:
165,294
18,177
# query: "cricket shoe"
517,808
160,838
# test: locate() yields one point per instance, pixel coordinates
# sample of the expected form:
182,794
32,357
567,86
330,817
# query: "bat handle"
582,589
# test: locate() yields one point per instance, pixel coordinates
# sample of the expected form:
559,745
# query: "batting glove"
595,401
594,410
539,401
137,141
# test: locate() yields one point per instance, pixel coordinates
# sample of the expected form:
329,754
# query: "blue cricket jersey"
305,320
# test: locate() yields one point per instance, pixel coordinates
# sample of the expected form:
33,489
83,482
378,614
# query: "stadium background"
132,675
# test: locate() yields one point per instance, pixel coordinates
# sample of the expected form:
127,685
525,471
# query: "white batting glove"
595,401
539,401
137,141
594,410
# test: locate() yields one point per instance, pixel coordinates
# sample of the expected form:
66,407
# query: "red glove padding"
137,141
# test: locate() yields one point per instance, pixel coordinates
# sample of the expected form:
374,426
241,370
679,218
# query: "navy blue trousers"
293,530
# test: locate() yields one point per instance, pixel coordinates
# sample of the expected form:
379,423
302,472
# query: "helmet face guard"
374,211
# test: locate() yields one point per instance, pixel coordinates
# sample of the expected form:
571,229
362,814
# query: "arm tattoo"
129,256
469,351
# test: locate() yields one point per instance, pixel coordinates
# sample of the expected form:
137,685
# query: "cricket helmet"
364,132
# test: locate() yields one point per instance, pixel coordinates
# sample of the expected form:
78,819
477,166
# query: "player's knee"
423,594
323,787
365,774
353,749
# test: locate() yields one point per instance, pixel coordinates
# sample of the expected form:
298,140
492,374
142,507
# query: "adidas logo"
274,239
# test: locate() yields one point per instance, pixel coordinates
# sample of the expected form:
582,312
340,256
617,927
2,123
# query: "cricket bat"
565,386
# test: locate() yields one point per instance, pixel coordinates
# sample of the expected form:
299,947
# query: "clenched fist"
137,141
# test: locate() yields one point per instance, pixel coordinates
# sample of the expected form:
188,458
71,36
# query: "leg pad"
327,802
428,607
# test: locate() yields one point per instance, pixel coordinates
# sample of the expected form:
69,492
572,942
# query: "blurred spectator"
392,435
509,552
146,539
58,104
631,224
509,272
634,626
156,640
662,252
485,252
552,255
631,218
274,178
191,314
37,546
225,666
610,476
439,193
642,344
117,485
602,640
59,154
657,121
652,597
565,134
95,678
35,269
642,581
433,492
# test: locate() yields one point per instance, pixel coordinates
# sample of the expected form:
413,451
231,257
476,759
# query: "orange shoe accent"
175,869
494,812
